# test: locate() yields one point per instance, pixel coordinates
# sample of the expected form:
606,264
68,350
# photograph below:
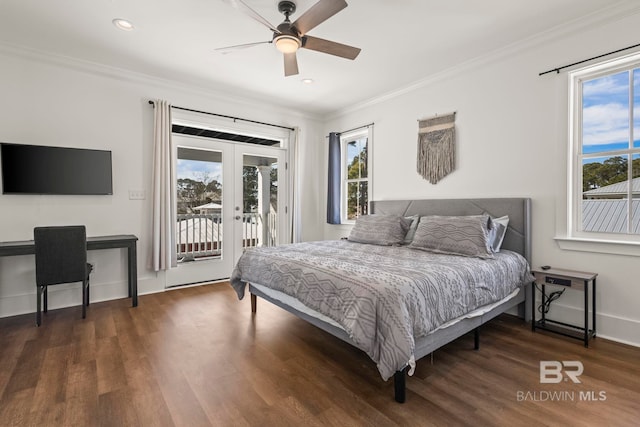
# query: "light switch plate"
137,195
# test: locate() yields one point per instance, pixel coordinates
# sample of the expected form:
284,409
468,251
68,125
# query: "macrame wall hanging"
436,147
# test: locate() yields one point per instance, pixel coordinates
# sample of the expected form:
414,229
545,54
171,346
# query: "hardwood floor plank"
81,410
51,386
146,396
115,409
110,369
15,408
198,357
26,373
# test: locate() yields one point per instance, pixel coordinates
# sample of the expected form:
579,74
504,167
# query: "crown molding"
601,17
219,93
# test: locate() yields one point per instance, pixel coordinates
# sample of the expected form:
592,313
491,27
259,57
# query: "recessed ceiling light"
307,81
123,24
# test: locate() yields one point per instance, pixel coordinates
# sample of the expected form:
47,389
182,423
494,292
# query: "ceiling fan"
291,36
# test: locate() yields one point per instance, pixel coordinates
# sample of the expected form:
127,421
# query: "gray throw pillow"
458,235
384,230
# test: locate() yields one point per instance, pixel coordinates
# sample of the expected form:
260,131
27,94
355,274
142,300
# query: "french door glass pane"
199,204
260,201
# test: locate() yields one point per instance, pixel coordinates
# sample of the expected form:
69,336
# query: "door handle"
238,217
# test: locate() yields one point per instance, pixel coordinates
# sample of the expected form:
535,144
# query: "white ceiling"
402,41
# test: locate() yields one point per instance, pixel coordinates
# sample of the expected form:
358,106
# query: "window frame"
576,156
345,139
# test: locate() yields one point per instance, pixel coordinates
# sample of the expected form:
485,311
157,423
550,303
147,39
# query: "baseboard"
70,295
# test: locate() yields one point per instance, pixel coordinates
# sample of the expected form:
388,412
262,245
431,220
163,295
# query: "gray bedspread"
384,297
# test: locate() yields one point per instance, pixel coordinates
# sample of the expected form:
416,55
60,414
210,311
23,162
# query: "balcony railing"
201,235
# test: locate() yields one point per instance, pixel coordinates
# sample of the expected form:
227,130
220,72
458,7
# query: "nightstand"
576,280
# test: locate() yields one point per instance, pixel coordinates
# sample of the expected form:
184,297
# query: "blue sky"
606,112
196,170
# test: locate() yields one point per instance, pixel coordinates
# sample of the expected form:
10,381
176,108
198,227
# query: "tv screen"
35,169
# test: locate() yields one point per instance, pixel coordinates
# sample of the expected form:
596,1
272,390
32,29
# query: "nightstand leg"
533,307
543,304
593,303
586,313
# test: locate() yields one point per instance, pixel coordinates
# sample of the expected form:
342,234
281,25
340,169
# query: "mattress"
297,305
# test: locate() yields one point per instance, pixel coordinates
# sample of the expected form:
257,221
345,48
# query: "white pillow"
415,219
497,230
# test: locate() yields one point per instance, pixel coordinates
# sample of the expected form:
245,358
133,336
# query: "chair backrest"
61,254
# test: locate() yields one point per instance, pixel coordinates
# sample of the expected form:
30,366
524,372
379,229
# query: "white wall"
512,136
511,141
50,101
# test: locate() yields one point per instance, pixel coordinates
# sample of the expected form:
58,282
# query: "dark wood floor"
197,357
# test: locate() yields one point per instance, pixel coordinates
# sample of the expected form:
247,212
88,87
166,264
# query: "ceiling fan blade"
290,64
332,48
230,49
244,8
317,14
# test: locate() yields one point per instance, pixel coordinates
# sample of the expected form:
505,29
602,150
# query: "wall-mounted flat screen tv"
35,169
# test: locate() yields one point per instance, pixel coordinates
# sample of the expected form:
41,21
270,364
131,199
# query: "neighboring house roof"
609,215
614,190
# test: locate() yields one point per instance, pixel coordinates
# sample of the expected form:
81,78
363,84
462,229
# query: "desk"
127,241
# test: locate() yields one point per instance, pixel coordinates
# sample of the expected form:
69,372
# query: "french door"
230,196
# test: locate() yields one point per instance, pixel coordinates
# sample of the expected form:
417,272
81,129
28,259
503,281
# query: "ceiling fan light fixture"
286,43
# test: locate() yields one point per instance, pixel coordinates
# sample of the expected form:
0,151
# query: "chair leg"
44,288
84,298
38,296
88,289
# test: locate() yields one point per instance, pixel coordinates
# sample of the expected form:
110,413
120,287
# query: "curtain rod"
557,70
350,130
227,117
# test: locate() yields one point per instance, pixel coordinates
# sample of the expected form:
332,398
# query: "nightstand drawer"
557,280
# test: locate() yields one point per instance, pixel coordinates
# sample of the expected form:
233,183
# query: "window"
356,172
605,151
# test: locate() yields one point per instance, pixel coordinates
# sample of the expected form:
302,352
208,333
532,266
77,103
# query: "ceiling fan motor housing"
287,8
287,32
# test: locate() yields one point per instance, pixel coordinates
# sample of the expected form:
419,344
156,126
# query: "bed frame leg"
400,385
476,338
254,301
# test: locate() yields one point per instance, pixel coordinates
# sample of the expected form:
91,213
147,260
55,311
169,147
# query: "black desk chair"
61,257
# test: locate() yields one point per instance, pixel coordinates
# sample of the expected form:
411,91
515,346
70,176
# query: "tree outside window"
356,174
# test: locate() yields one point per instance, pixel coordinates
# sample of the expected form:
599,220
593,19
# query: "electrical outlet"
137,195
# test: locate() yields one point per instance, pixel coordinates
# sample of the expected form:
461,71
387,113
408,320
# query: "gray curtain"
333,185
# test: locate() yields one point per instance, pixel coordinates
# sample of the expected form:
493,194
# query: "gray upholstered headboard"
517,238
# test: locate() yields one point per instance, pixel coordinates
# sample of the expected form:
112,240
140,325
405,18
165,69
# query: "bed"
385,303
